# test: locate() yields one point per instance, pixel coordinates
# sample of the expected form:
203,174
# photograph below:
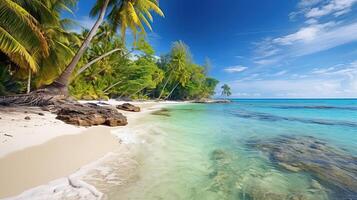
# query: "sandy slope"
36,151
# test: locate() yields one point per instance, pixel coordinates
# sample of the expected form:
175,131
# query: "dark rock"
128,107
8,135
334,168
89,115
27,118
41,114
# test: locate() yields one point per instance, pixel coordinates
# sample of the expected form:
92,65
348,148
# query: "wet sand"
56,158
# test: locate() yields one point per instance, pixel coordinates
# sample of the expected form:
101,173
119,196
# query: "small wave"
273,118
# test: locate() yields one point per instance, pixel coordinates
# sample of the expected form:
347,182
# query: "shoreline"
46,158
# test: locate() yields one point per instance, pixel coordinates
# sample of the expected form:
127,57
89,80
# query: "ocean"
249,149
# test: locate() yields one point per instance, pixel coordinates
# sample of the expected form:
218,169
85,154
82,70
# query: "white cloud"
336,81
249,78
321,30
328,38
269,61
322,71
290,88
235,69
348,70
239,57
335,7
313,10
305,34
307,40
311,21
265,48
308,3
279,73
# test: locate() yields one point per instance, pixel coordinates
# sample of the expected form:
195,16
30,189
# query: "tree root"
56,101
40,97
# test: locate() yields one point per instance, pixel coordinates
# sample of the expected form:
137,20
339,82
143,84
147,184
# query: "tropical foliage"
37,47
33,37
226,90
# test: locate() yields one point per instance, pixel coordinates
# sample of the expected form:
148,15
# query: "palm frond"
21,24
16,52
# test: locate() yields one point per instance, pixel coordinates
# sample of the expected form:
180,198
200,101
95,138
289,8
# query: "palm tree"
24,40
35,37
180,59
21,36
122,13
226,90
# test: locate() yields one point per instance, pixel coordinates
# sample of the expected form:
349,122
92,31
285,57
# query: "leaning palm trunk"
141,89
58,90
29,82
86,66
173,89
123,93
163,89
111,86
64,79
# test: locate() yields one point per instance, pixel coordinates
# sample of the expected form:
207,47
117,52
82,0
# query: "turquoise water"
205,151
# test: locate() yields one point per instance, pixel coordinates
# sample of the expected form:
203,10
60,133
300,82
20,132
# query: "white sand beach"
44,158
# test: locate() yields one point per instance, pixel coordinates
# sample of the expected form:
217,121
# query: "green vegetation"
226,90
37,50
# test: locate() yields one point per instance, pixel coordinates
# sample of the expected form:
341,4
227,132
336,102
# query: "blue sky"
264,48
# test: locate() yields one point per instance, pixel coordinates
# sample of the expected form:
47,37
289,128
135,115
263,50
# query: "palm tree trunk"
141,89
86,66
173,89
122,94
111,86
64,79
162,91
29,82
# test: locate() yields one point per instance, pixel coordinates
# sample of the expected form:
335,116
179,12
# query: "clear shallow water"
204,151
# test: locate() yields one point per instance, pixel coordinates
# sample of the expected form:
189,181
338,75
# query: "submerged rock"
336,169
128,107
223,177
229,181
162,112
89,115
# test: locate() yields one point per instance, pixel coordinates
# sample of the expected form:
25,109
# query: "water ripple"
272,118
318,107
